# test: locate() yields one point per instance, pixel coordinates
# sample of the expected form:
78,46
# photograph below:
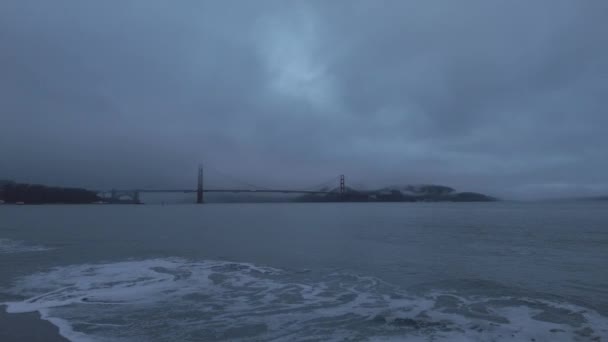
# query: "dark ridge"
11,192
408,193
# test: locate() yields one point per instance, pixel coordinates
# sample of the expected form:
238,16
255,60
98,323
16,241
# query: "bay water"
502,271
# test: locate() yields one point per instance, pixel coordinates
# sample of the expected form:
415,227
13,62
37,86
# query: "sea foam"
8,246
177,299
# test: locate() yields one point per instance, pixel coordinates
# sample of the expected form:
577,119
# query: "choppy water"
310,272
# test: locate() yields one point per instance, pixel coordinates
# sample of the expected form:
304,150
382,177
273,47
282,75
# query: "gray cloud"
503,97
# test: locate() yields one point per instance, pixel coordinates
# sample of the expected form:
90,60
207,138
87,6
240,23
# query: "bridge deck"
223,190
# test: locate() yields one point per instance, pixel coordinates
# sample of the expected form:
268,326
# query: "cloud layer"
503,97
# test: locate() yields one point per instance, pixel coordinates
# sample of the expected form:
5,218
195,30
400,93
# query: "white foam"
65,328
176,299
8,246
115,284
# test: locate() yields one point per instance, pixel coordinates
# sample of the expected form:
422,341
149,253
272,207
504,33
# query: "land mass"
19,193
16,193
591,198
408,193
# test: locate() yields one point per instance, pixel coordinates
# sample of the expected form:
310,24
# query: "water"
310,272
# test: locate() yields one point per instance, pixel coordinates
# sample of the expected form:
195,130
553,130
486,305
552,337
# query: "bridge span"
235,191
134,194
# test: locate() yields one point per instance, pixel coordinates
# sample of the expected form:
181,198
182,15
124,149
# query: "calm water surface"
311,272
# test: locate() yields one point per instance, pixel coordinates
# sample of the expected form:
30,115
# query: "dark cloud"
503,97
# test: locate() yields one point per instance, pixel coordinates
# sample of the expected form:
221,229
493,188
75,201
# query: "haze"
502,97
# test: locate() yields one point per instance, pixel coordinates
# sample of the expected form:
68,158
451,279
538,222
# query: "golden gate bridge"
133,195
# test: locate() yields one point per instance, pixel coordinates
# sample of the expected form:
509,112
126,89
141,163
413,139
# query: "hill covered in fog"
404,193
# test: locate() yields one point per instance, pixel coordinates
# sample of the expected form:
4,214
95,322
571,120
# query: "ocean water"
310,272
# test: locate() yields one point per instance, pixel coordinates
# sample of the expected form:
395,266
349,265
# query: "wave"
8,246
177,299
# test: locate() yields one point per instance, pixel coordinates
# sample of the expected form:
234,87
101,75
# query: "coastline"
29,326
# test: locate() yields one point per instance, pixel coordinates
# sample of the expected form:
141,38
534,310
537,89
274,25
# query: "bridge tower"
342,186
199,189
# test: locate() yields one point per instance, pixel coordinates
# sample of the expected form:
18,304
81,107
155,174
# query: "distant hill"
595,198
11,192
406,193
577,199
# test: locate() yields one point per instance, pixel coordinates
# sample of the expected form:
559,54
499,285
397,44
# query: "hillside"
406,193
39,194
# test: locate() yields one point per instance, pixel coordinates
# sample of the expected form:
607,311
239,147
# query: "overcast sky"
504,97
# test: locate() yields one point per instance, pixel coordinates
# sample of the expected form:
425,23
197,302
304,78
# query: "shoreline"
29,326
